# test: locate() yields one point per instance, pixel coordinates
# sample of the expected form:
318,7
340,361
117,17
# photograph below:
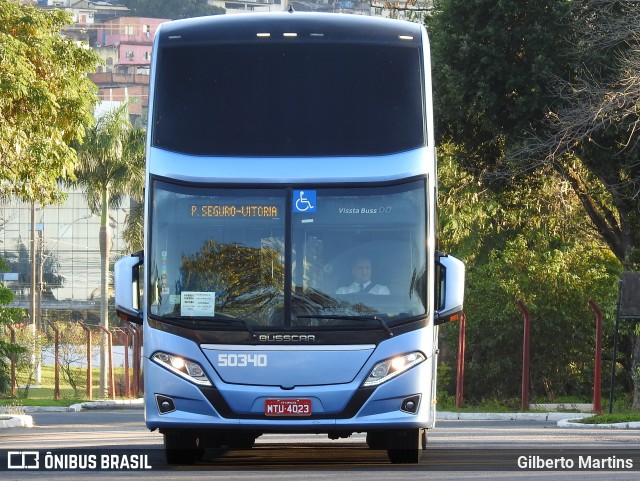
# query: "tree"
577,116
8,350
533,243
492,64
594,125
173,9
133,233
596,122
111,166
46,100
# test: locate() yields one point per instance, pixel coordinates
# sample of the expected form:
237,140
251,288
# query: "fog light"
165,404
411,404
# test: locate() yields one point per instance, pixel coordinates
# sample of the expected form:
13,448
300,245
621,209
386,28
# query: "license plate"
287,407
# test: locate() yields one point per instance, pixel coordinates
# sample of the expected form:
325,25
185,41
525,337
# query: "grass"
43,394
612,418
40,402
623,413
485,406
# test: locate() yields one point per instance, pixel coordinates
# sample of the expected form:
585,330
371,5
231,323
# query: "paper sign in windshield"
197,303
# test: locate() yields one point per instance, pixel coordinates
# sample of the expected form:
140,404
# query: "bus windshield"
289,99
279,257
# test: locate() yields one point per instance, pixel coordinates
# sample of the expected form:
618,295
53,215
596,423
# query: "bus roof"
332,27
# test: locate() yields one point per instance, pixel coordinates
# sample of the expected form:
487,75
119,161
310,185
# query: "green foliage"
493,61
72,352
612,418
8,350
112,166
531,242
46,100
524,87
133,233
111,161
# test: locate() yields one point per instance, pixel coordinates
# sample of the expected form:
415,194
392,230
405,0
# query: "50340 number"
242,360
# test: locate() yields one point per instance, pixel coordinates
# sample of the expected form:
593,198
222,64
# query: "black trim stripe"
221,406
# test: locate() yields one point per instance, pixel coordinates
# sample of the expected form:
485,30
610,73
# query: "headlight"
190,370
390,368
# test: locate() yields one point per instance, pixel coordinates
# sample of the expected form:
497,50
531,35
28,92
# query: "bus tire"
182,447
405,446
377,439
240,440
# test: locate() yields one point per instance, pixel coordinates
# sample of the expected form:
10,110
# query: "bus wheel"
240,440
405,446
377,439
182,447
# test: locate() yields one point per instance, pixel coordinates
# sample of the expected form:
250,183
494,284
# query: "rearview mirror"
126,278
449,296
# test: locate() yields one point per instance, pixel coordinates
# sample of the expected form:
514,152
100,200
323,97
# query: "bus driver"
362,280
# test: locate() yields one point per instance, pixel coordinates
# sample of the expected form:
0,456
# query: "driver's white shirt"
355,287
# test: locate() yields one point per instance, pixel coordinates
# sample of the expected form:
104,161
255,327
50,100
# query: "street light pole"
32,298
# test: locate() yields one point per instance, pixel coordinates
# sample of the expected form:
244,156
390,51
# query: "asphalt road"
456,450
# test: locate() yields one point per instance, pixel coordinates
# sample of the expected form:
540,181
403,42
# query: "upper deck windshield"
293,98
270,258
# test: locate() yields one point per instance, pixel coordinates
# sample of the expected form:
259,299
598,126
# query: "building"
67,253
124,44
411,10
246,6
86,14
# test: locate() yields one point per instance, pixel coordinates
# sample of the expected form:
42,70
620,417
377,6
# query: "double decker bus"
290,281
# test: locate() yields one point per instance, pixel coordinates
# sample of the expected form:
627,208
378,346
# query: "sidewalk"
563,419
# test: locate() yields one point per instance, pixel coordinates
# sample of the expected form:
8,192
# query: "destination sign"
243,211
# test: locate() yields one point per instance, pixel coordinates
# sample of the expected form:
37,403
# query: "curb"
110,404
564,420
26,421
16,421
569,423
548,416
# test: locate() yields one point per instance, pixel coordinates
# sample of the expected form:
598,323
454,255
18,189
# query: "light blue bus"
290,281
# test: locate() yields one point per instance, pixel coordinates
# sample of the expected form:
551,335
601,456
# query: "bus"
290,280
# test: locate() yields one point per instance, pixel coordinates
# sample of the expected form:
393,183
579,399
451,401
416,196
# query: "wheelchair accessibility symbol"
304,201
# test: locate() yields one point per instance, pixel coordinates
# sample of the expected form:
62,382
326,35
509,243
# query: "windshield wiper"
350,318
219,318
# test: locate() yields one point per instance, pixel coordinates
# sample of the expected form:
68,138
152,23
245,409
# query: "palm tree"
110,167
